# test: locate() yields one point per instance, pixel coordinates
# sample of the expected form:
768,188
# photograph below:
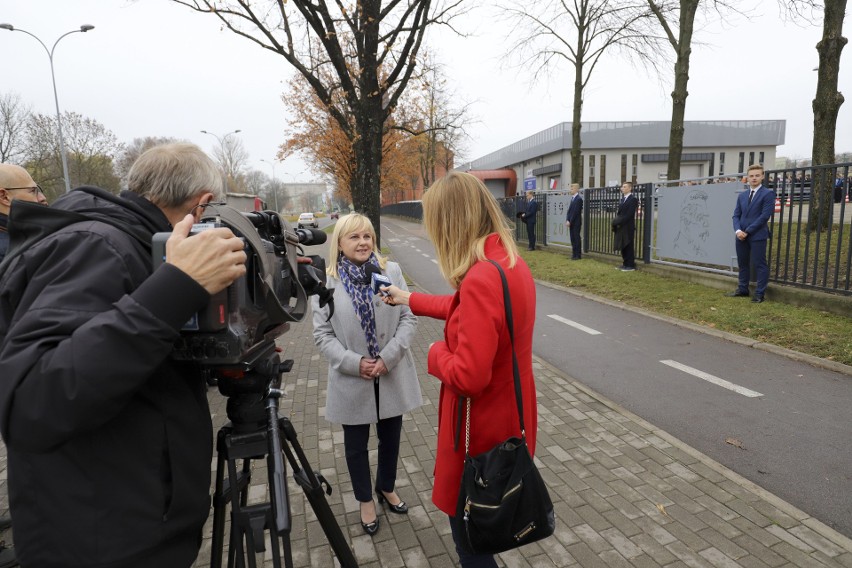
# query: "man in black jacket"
109,440
624,227
574,221
15,183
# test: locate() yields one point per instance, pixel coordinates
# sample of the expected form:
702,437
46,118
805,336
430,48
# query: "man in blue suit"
751,223
574,221
529,218
624,227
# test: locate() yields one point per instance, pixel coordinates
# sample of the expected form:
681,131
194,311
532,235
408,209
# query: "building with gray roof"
614,152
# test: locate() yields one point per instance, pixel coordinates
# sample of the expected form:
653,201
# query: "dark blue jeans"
466,559
355,440
531,232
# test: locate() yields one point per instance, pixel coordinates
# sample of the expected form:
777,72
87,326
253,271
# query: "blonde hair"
459,213
347,224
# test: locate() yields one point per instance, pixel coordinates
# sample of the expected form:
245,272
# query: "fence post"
586,221
647,223
543,213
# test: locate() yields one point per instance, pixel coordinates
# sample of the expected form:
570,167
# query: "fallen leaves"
734,442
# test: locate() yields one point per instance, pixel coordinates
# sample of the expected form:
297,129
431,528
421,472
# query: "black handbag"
503,502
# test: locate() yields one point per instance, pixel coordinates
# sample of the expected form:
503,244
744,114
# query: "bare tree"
679,15
14,115
548,32
91,148
135,149
827,101
311,36
232,157
438,121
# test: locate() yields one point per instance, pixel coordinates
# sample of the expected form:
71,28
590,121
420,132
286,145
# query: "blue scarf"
357,285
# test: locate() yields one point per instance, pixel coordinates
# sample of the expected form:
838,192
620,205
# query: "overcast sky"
153,68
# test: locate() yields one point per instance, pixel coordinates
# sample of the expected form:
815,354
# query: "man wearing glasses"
15,183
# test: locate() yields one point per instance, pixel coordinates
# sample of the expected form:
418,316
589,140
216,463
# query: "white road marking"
574,324
433,260
712,379
424,254
415,248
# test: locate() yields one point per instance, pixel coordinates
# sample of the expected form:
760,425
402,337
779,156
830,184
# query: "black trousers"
355,438
628,256
531,232
576,244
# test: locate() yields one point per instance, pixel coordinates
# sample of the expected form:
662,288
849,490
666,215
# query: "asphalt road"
780,423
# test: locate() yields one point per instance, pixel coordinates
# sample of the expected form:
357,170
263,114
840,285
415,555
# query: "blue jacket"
753,218
575,210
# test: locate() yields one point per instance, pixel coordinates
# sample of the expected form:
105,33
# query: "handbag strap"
519,395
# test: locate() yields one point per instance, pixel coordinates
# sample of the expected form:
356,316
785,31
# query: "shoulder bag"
503,501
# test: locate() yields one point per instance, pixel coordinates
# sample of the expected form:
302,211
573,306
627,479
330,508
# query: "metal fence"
811,244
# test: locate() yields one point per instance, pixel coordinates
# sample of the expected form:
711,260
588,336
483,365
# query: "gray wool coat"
350,399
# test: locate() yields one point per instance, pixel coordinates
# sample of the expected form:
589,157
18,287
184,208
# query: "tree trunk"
576,143
370,118
826,106
679,94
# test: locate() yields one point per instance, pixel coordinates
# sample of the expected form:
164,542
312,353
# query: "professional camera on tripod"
234,339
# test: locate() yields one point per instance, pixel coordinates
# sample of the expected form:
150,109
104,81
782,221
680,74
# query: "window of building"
623,166
591,170
750,158
742,163
760,160
721,163
635,171
603,170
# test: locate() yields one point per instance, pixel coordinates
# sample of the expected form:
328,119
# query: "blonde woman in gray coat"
371,374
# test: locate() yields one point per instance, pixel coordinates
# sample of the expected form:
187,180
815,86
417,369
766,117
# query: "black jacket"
109,441
624,224
4,235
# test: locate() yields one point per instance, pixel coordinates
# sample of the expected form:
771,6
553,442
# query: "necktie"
750,196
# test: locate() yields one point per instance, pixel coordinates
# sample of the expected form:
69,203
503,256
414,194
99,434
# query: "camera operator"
109,440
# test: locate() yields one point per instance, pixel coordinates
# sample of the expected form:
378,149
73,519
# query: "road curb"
814,524
732,337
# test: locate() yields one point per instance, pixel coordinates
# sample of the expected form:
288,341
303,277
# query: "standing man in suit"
624,226
574,221
529,218
751,225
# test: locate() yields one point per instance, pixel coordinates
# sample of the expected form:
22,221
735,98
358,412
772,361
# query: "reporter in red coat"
474,360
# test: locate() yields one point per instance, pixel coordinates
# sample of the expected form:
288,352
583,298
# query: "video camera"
239,325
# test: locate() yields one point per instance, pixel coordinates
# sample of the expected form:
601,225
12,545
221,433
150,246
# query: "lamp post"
84,28
221,140
274,184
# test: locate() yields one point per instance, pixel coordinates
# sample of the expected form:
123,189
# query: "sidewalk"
626,494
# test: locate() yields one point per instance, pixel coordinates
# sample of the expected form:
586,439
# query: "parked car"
334,215
308,220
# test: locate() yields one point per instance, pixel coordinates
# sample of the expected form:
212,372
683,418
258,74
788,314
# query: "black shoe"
576,258
7,557
737,294
400,508
757,299
370,528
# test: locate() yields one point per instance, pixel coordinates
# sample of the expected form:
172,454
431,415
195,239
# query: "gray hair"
169,174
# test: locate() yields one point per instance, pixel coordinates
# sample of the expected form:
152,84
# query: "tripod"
256,431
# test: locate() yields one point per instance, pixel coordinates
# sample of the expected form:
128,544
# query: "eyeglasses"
33,190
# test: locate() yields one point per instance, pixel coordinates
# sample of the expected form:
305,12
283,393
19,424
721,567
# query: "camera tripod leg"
316,488
249,523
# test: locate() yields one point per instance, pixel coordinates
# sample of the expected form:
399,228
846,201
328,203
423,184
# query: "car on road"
334,215
308,220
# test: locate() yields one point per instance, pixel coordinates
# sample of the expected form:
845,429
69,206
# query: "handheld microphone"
377,279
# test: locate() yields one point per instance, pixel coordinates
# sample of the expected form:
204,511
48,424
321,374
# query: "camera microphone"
377,279
311,236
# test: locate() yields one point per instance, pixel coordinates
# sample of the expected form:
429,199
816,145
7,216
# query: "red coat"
475,360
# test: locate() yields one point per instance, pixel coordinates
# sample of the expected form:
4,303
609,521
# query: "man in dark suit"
624,226
574,221
751,224
529,218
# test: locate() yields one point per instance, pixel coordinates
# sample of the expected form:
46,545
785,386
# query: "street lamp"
221,140
274,185
84,28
